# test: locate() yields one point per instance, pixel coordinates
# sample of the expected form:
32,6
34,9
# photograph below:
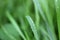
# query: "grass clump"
29,20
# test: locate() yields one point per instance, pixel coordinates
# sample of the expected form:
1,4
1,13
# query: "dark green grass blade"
57,6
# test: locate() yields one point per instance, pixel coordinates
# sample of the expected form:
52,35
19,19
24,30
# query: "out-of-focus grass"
29,20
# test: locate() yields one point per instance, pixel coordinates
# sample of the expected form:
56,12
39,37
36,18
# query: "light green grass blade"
45,7
15,25
33,27
38,5
37,16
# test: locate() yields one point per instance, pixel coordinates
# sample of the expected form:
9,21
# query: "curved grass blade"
15,25
33,27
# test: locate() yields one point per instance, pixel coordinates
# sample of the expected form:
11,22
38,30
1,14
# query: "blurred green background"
29,19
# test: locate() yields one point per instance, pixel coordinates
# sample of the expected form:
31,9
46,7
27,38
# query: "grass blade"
15,25
33,27
57,5
38,5
37,16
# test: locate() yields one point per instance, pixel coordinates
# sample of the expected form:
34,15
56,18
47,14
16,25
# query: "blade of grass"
37,16
37,19
45,7
24,27
37,4
57,6
15,25
33,27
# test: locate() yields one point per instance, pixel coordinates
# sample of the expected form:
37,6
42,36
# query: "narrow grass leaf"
38,5
33,27
57,6
37,16
15,25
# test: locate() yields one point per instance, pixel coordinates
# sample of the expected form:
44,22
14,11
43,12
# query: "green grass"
29,19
